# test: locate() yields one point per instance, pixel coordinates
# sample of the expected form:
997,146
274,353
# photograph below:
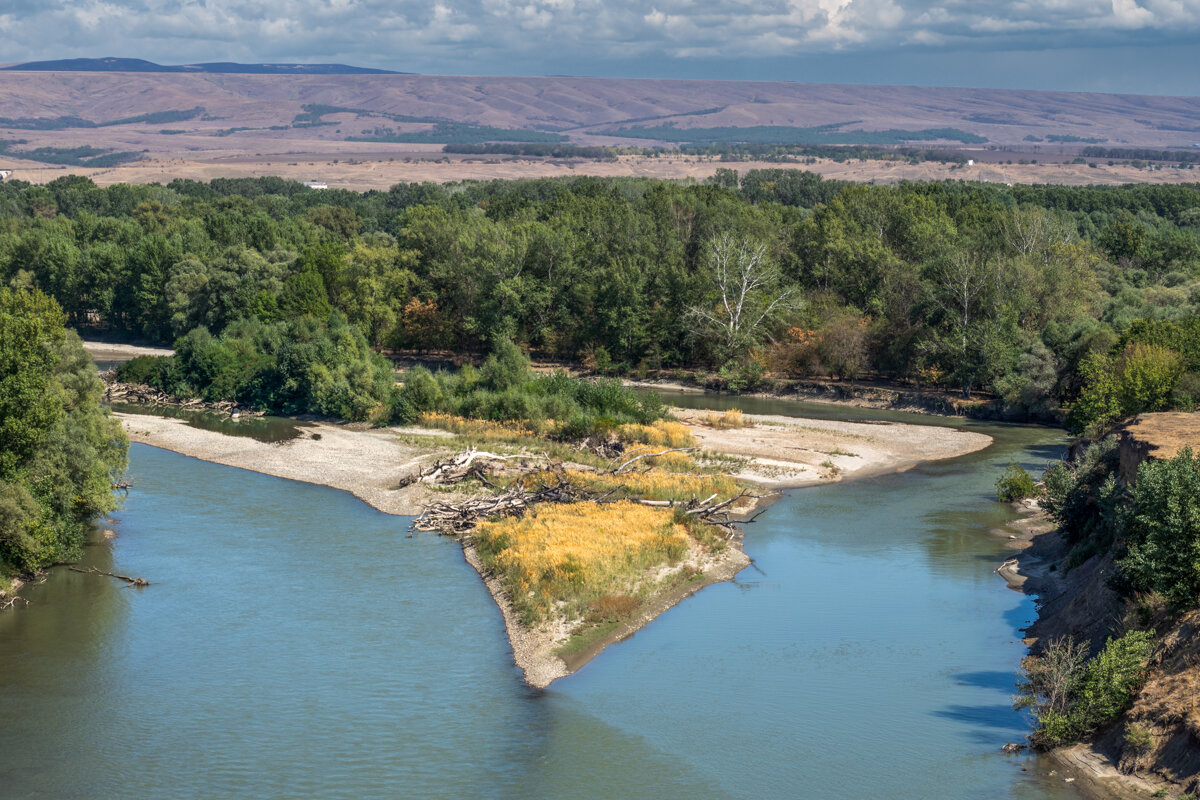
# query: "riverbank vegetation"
1128,575
505,389
1031,293
60,452
308,365
1073,695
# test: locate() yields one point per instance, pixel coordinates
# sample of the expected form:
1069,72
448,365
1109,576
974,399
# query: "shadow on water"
1020,617
263,429
998,717
988,679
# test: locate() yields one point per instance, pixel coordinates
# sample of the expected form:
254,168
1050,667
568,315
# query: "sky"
1138,46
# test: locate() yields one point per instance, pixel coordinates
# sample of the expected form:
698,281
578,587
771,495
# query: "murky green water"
263,429
295,643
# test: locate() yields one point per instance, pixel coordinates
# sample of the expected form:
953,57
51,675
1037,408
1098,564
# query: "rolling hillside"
586,108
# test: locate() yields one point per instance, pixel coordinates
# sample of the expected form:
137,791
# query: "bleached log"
637,458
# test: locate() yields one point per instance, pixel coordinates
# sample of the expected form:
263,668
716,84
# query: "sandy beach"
789,452
773,452
367,462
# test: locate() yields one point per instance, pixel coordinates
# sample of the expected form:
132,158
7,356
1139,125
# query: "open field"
361,171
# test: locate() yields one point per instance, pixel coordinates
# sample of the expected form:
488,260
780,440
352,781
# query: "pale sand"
367,462
789,452
104,351
776,452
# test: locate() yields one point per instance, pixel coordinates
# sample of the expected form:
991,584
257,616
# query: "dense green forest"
59,450
1035,293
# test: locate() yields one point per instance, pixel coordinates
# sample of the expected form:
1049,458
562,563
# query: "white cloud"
447,34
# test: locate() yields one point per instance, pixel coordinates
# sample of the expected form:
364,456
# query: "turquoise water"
295,643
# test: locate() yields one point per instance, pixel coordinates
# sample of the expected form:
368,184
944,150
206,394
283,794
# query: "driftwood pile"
454,518
603,446
710,513
10,601
471,463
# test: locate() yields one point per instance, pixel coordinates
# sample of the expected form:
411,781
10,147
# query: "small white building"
317,185
4,173
970,162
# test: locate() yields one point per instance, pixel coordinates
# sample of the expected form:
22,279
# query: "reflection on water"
295,643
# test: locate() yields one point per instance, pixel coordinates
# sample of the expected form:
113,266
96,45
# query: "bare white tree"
968,288
750,295
1035,232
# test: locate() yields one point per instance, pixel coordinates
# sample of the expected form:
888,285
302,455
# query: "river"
296,643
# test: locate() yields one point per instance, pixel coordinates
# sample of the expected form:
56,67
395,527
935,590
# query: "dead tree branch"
618,470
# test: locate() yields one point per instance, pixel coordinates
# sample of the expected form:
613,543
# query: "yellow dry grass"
475,428
657,484
563,557
732,418
660,433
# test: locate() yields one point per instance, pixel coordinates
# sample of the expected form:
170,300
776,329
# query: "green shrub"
1138,739
1111,679
1015,484
1163,535
1083,497
1072,697
421,392
505,368
302,366
506,390
742,375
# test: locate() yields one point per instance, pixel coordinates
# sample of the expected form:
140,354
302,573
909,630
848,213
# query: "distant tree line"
538,150
61,123
831,134
82,156
1142,154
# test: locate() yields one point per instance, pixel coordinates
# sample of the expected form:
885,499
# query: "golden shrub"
733,418
476,428
661,433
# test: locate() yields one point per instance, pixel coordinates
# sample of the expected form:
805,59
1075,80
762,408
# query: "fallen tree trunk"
7,603
94,571
637,458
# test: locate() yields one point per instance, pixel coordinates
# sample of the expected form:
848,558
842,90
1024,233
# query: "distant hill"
112,64
120,105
